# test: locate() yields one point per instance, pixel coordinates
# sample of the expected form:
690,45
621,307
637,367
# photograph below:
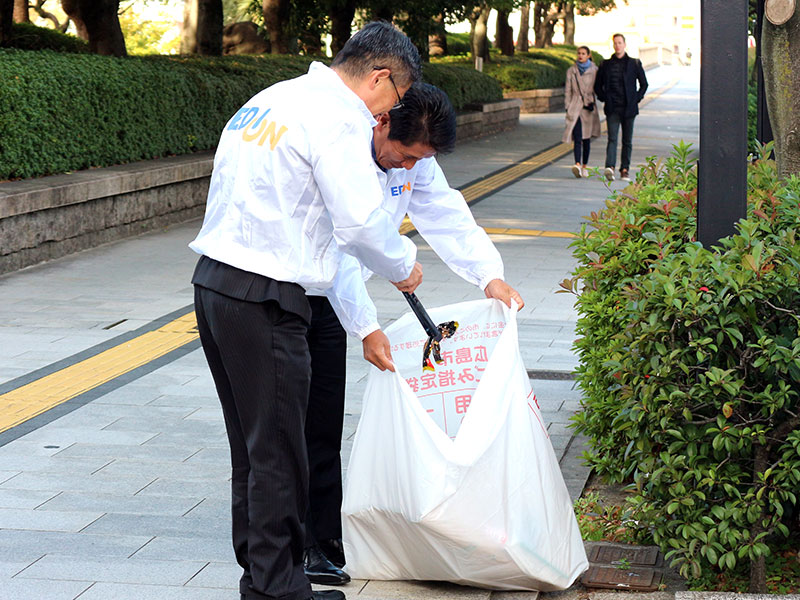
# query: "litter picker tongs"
436,333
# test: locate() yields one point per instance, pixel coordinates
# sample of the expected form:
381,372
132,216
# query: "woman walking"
583,122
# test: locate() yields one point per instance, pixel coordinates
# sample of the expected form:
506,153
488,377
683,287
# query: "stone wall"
49,217
539,101
479,120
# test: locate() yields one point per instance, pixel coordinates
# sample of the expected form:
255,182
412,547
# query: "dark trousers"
327,343
581,147
259,359
613,121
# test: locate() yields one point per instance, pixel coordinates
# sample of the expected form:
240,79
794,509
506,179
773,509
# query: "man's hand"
410,283
500,290
376,350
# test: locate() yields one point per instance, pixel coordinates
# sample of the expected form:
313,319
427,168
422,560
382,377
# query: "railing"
653,56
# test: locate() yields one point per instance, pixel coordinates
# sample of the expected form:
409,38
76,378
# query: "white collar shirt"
294,186
442,217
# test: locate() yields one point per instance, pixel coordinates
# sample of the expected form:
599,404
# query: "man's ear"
376,75
383,121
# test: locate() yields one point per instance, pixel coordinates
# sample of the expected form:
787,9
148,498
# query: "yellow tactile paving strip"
37,397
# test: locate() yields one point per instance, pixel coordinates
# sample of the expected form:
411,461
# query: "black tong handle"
424,318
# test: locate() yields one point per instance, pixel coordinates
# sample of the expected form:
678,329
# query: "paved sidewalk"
127,496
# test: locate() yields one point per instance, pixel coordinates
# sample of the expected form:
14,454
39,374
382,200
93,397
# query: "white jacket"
442,217
294,184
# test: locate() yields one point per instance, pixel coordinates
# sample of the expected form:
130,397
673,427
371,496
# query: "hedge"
63,112
539,68
30,37
690,364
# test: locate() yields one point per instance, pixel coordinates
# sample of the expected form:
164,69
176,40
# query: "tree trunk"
6,20
21,11
437,41
341,21
276,22
569,24
780,45
504,34
545,17
524,25
202,27
479,40
99,22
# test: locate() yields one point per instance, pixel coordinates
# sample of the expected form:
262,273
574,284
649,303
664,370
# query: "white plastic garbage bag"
452,476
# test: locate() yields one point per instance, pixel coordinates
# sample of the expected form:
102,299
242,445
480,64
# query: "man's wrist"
365,331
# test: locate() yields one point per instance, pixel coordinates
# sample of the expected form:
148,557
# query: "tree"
478,39
569,23
437,41
21,11
545,17
524,26
98,22
6,20
341,13
781,78
504,34
276,22
202,27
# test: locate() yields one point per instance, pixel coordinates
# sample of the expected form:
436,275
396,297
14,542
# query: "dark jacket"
632,72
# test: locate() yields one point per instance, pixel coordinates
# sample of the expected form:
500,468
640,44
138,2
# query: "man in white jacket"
293,187
405,142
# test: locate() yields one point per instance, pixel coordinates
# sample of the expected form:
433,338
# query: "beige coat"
578,92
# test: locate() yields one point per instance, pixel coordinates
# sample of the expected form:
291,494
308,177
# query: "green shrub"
30,37
690,363
539,68
458,43
62,112
462,84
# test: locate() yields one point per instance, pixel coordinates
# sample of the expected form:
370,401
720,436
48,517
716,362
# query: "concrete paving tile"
119,591
168,470
196,401
10,567
114,503
218,455
8,475
115,570
172,548
223,575
55,463
134,452
126,395
155,525
213,414
22,544
38,520
27,499
560,430
413,590
77,483
217,507
514,595
200,488
54,435
31,589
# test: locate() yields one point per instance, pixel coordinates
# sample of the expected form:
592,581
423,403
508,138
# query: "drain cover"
634,578
616,555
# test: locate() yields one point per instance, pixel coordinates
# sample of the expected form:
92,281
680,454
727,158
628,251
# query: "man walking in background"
616,87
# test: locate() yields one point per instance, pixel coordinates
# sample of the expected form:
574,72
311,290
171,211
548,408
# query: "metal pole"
722,170
763,126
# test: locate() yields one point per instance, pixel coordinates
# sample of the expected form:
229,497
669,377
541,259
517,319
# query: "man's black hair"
426,116
380,44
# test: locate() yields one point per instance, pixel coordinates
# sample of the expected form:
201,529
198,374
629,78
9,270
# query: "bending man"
405,142
293,185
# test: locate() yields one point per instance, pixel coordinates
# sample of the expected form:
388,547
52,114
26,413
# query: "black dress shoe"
333,550
327,595
320,570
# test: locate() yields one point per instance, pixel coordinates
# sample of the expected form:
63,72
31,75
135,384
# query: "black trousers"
327,344
258,356
580,147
